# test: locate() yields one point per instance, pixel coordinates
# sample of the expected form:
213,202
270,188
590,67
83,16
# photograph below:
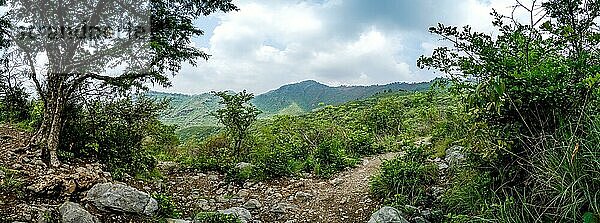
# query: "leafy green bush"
406,179
114,132
166,206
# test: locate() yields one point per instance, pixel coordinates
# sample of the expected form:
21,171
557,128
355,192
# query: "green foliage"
123,134
10,183
469,194
215,217
14,104
237,116
532,93
188,111
405,179
166,206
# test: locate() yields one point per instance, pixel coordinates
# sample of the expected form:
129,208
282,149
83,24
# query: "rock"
336,181
387,215
243,165
171,220
442,166
243,193
282,208
73,213
241,213
213,177
252,204
2,174
203,204
455,156
122,198
303,196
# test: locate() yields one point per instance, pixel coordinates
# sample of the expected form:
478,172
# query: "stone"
336,181
243,165
282,208
303,196
241,213
121,198
252,204
73,213
387,215
455,156
243,193
442,166
2,174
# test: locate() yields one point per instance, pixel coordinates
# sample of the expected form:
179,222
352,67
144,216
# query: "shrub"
166,206
405,179
113,132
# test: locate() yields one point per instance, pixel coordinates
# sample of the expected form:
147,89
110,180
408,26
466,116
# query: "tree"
237,116
86,45
532,76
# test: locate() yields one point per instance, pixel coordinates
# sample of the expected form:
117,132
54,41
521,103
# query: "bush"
405,179
113,132
166,206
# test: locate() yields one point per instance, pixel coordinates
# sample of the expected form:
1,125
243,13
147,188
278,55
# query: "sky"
269,43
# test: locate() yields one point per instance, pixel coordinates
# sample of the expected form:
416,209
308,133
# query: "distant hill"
308,95
291,99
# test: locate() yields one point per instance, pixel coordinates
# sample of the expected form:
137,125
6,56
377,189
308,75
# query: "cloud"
270,43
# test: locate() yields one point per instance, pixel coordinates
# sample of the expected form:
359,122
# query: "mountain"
291,99
308,95
188,110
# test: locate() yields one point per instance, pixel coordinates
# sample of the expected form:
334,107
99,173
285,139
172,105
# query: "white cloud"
270,43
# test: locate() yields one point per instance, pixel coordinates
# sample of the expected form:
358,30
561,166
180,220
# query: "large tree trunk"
48,135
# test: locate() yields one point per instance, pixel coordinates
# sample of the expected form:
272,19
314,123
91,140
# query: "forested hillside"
293,99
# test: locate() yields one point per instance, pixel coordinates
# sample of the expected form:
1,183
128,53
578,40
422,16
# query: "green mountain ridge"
291,99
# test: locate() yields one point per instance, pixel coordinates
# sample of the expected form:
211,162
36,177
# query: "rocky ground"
32,192
344,198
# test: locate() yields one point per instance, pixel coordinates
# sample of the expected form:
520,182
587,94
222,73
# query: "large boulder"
121,198
241,213
73,213
387,215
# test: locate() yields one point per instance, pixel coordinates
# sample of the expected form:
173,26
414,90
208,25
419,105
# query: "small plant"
166,206
405,179
10,183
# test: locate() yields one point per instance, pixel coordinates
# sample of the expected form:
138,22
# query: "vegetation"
522,106
79,67
237,116
191,111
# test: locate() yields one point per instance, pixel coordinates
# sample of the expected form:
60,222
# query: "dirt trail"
344,198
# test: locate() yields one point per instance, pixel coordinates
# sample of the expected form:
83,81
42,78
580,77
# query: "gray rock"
122,198
241,213
73,213
243,165
303,196
282,208
387,215
2,174
455,156
252,204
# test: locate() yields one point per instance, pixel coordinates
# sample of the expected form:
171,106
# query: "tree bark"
48,135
